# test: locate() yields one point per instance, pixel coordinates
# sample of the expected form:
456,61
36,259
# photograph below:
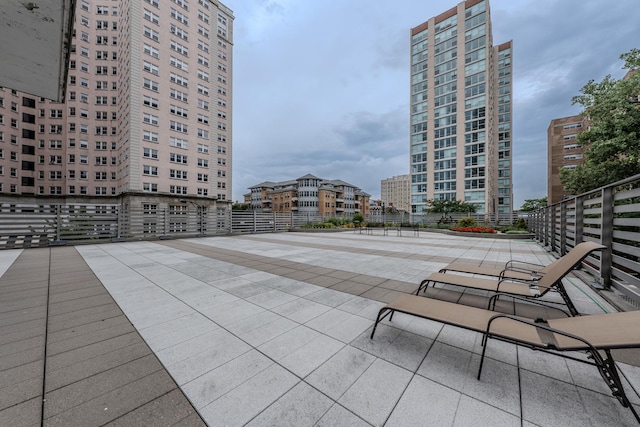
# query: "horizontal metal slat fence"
609,215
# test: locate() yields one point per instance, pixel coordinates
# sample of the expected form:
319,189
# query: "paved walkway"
273,329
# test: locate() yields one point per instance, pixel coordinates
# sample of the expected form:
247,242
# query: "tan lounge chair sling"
551,280
591,334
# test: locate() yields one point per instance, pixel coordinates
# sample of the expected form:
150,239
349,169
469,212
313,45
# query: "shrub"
521,224
467,222
334,221
358,218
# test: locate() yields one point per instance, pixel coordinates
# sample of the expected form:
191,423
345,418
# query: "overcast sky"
322,87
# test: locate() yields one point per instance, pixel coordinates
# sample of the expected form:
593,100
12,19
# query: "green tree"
448,206
613,139
240,207
533,204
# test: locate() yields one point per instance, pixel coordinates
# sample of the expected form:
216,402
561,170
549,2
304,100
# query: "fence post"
563,228
58,222
579,220
606,227
255,221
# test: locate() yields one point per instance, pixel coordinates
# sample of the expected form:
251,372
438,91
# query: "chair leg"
608,371
423,285
485,344
381,317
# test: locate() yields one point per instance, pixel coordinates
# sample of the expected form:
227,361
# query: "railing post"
58,222
563,228
255,221
579,220
606,228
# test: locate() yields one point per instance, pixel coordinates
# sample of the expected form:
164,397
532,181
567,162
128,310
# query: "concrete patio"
273,329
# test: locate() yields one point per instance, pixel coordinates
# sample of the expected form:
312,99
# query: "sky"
322,87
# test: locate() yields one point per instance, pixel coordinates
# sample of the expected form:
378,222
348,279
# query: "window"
150,102
102,40
150,84
178,142
178,158
150,119
222,161
202,133
101,160
203,31
203,46
179,111
101,25
177,126
203,104
203,177
150,68
55,114
179,32
150,170
182,3
202,60
179,17
203,90
102,70
149,187
203,17
150,136
180,96
181,49
102,55
153,2
203,119
150,153
177,174
178,79
203,163
222,149
151,17
179,64
101,100
177,189
152,34
203,75
151,51
102,85
203,148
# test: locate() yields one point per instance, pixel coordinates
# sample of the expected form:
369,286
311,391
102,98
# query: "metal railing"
609,215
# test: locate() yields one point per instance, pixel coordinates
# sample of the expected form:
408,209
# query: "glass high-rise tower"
461,114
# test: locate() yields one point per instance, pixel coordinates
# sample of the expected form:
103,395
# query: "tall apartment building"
395,192
563,151
461,146
309,195
147,109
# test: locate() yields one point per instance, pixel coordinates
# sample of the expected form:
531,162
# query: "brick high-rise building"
147,107
563,151
461,145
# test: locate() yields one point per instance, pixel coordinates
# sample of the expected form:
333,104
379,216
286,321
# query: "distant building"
563,152
309,195
461,118
396,192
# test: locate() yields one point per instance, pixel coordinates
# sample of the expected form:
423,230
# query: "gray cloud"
323,87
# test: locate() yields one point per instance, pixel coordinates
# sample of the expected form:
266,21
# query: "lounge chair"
513,269
517,288
591,334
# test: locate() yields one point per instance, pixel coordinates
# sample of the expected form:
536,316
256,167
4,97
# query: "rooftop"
273,329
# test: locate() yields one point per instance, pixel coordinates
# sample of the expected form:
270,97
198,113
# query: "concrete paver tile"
374,395
245,402
301,406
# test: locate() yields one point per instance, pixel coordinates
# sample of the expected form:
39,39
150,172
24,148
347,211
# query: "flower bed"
474,229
